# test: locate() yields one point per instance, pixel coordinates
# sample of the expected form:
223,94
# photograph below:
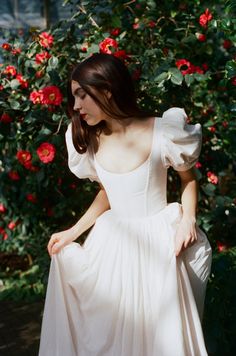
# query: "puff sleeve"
181,142
82,165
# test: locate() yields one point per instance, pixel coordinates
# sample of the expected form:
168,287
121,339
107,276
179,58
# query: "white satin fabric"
124,293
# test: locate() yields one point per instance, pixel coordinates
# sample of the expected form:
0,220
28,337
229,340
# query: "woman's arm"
60,239
186,232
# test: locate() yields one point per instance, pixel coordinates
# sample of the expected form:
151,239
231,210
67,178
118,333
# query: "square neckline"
138,167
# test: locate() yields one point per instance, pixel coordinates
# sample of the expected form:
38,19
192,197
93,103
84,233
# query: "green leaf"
14,84
230,69
189,79
209,189
53,62
161,77
15,105
176,76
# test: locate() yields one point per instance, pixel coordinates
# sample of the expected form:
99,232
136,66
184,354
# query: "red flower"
22,81
136,74
233,80
46,40
212,178
121,54
46,152
221,247
36,97
152,24
135,26
13,175
3,209
108,44
201,37
16,51
31,197
39,74
205,67
225,124
115,31
205,18
3,233
12,225
24,157
51,95
198,165
5,118
189,67
6,46
212,129
1,87
183,63
227,44
10,70
42,57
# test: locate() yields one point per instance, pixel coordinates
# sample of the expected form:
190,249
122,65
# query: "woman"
137,285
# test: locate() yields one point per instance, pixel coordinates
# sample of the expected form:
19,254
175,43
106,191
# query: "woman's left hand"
186,234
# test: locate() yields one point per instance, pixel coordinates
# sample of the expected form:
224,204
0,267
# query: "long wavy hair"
97,74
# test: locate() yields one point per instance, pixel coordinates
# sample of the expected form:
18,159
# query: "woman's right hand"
60,240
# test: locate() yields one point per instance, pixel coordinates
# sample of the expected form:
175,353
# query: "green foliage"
175,61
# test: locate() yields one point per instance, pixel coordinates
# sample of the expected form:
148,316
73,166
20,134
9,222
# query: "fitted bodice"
140,192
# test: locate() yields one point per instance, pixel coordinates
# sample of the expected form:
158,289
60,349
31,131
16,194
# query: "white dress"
124,293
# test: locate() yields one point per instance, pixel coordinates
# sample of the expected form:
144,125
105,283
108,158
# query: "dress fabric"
124,292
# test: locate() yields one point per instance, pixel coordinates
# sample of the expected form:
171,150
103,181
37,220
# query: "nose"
77,105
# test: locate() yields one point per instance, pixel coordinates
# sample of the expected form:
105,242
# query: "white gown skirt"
124,293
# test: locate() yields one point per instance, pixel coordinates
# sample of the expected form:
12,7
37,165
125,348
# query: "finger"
57,247
187,242
178,248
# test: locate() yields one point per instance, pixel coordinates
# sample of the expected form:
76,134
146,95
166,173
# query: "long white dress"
124,293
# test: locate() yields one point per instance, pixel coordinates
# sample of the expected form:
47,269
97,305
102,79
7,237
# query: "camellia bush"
179,54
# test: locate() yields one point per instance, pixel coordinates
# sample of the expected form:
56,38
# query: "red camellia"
227,44
201,37
42,57
22,81
106,45
233,80
46,152
10,70
51,95
5,118
1,87
205,18
121,54
212,178
115,31
152,24
3,233
31,197
221,247
3,209
6,46
16,51
46,40
24,157
198,165
14,175
36,97
189,68
12,225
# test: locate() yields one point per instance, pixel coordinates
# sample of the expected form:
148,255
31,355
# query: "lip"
83,116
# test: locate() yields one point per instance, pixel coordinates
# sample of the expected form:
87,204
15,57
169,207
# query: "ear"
108,94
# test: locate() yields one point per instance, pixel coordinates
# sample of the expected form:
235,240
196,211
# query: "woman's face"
84,103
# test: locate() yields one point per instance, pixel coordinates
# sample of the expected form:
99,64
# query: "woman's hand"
59,240
186,234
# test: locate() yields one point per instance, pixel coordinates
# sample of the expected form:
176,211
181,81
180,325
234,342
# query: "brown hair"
102,72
